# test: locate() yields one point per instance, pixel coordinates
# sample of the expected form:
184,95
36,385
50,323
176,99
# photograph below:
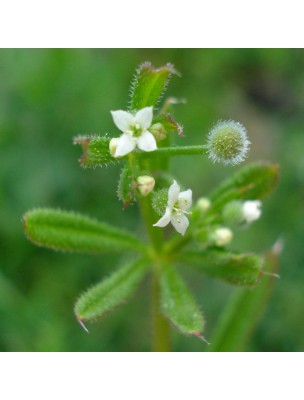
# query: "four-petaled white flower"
178,203
135,132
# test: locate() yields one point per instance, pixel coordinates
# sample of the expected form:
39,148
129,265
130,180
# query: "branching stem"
174,151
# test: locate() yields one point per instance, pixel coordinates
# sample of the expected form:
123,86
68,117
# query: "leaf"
96,151
238,269
126,186
111,292
68,231
178,304
244,310
254,181
149,85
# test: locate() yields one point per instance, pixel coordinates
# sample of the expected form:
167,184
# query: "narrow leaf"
238,269
68,231
149,85
178,304
244,310
126,186
111,292
95,151
255,181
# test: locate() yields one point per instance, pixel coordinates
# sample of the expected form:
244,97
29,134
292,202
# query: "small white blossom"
178,203
135,132
251,210
222,236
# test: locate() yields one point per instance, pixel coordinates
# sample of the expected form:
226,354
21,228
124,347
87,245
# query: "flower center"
178,211
137,130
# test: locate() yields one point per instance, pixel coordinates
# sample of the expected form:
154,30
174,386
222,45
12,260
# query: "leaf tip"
82,325
202,338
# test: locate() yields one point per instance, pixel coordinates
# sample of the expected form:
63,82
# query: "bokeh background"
49,96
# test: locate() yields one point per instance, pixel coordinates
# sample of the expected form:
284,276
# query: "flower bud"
158,131
113,146
203,204
228,143
237,213
222,236
233,213
145,184
252,210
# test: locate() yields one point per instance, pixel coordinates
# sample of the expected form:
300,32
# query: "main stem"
160,326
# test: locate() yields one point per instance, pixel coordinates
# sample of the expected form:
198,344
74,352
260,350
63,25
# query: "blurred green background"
49,96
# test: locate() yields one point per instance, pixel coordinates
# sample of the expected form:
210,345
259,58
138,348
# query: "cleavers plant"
200,231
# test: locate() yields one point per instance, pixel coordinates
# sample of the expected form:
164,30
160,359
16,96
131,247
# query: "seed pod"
228,143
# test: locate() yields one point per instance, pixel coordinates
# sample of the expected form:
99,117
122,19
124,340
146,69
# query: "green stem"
160,326
175,151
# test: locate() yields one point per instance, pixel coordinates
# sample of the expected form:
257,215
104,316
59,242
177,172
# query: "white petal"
123,120
125,145
185,199
144,117
173,193
165,219
146,142
180,223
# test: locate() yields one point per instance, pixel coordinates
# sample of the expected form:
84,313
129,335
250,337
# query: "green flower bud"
160,201
228,143
233,213
158,131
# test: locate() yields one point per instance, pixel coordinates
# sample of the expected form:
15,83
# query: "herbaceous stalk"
183,229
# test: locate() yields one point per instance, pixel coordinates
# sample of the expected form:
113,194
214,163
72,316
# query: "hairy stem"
175,151
160,326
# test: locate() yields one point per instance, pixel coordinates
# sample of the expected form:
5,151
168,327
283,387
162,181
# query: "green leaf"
149,85
237,269
68,231
111,292
244,310
254,181
178,304
95,151
126,186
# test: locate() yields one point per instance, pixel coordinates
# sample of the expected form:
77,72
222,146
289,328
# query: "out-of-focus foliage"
49,96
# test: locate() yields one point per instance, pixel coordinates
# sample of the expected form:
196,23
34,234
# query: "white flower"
178,203
251,210
135,132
